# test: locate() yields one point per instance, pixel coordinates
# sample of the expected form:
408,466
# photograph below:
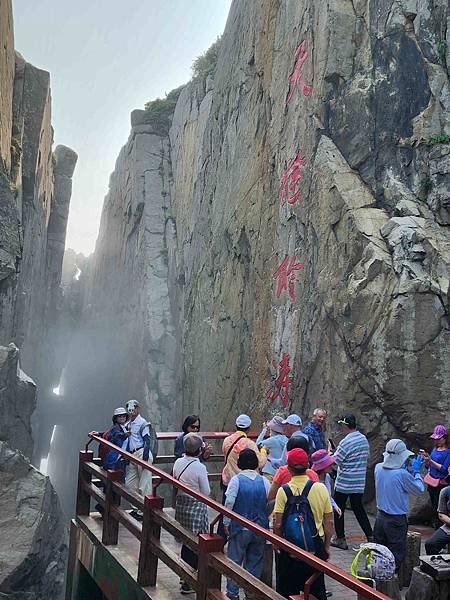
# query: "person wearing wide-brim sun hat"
396,478
322,464
438,461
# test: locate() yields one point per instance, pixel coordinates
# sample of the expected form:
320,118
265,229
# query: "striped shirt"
352,455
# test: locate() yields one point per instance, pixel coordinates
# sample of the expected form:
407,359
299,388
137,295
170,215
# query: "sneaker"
185,588
337,542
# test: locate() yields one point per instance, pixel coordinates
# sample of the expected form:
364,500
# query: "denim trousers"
246,549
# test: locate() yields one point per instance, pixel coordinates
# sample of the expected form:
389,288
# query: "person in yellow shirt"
292,573
233,444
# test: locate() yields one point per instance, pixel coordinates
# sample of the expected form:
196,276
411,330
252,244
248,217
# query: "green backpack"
380,562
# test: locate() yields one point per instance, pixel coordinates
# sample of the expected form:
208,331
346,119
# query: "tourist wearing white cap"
272,445
394,480
233,444
292,428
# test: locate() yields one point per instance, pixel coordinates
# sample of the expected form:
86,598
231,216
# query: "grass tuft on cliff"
205,64
159,112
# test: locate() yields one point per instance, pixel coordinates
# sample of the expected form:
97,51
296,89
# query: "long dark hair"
190,420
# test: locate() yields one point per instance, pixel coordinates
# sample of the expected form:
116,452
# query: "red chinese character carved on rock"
290,181
286,274
279,386
297,78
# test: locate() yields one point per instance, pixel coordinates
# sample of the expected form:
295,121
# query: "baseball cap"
349,420
439,432
192,442
293,420
297,458
243,421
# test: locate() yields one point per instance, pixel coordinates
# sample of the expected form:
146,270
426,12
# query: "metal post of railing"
110,533
83,497
148,560
208,578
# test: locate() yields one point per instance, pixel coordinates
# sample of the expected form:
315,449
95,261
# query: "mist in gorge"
242,207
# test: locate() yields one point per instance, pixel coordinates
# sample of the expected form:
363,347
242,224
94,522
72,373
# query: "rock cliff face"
293,224
33,548
35,188
35,191
17,401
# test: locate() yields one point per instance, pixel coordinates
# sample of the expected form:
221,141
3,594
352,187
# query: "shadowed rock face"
194,227
17,401
34,201
33,549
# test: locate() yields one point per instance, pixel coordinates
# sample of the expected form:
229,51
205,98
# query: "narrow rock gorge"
275,237
35,190
291,223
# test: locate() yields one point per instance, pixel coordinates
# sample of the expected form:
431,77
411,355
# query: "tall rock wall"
34,538
35,192
287,244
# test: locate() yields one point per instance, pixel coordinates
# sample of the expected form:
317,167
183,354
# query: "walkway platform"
115,567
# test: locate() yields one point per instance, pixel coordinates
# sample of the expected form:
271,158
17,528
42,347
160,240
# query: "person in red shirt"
283,474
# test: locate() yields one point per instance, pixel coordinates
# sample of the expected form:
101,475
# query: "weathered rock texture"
17,401
35,188
193,228
33,549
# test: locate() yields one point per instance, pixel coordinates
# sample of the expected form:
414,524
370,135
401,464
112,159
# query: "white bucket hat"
396,454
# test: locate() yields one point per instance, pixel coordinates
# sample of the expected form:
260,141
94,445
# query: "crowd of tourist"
291,474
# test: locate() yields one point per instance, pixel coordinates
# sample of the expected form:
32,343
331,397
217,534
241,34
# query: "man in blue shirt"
314,429
393,483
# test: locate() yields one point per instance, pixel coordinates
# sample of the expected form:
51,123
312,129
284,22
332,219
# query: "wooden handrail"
325,567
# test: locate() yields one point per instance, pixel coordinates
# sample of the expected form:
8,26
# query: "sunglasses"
194,426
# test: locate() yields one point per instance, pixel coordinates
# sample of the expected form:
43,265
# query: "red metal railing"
325,567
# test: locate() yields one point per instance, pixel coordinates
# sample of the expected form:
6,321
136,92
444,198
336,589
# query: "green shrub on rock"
159,112
205,64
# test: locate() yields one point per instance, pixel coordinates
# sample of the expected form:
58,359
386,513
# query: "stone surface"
181,308
34,201
34,540
17,401
6,82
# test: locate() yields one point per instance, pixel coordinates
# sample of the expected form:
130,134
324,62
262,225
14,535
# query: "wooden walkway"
168,587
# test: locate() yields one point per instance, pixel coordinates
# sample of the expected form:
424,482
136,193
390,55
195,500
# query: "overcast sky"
107,57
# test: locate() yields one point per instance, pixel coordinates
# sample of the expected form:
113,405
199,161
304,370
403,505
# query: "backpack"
298,525
380,562
102,449
153,438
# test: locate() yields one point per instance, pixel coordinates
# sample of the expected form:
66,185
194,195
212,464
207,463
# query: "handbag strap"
232,446
188,465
